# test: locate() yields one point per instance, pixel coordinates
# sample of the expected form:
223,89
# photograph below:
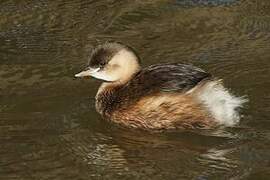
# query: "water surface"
49,128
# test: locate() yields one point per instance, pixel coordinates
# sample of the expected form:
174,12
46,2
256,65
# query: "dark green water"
48,125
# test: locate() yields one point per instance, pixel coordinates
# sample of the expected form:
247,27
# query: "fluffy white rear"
221,104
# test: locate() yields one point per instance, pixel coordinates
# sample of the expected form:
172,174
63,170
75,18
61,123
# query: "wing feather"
167,78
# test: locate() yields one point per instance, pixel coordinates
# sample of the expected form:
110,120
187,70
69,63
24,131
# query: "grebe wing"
168,78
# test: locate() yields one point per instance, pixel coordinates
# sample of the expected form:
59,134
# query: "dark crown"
102,54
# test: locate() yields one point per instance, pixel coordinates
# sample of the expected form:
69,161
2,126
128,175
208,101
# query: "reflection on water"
48,125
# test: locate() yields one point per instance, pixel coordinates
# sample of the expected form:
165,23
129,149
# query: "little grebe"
161,96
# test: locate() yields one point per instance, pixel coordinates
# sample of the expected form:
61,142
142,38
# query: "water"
49,128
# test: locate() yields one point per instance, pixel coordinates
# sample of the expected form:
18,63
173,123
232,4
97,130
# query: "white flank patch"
222,105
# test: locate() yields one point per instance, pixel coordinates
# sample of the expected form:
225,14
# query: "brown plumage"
162,96
163,112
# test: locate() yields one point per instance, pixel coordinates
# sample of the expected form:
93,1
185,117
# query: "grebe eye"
102,64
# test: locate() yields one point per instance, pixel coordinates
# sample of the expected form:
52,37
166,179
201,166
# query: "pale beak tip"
77,75
84,73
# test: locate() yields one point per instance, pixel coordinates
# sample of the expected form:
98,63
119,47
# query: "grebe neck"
108,95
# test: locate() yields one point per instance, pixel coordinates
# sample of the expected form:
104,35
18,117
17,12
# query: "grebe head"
112,62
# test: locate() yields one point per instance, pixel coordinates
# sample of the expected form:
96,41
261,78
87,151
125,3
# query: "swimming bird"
165,96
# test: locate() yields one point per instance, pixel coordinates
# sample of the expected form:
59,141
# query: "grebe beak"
87,72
